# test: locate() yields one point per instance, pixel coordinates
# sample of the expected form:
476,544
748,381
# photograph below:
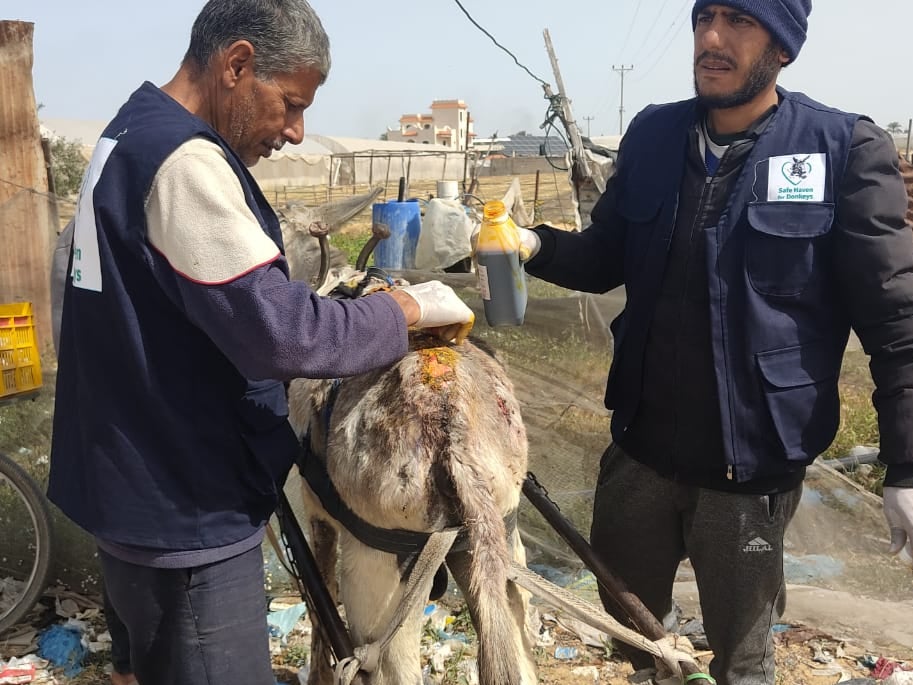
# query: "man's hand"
529,244
898,510
439,310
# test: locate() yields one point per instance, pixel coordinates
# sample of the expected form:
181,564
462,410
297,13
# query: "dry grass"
554,196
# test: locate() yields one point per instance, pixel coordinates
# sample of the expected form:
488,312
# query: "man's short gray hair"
286,34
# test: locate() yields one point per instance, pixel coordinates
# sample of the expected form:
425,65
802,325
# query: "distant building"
447,125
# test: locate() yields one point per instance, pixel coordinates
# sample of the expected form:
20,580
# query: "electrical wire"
646,38
550,115
34,191
677,24
494,40
630,29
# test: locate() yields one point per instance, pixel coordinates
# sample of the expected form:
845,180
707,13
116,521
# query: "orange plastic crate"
20,363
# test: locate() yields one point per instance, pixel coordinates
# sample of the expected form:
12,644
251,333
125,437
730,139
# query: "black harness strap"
392,541
403,543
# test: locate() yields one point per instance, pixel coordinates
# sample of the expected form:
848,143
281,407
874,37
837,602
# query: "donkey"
432,442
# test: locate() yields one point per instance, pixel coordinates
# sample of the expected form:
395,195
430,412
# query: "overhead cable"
646,38
494,40
677,24
630,28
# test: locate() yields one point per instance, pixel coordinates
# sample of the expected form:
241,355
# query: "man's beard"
240,120
762,72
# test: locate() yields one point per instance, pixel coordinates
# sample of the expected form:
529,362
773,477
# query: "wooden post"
909,133
408,172
25,221
466,152
330,178
53,206
580,161
387,178
587,182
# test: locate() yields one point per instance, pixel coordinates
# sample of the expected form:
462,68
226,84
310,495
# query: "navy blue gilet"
158,441
778,327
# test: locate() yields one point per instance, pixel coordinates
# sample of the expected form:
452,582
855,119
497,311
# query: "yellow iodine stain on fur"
438,366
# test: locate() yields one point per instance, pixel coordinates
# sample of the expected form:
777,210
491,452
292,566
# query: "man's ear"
784,58
236,63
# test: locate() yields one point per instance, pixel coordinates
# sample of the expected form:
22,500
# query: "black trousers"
194,626
120,639
644,525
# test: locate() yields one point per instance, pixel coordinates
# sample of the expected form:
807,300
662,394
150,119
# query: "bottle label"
484,288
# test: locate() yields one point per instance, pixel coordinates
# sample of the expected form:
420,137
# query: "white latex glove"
898,510
441,308
529,242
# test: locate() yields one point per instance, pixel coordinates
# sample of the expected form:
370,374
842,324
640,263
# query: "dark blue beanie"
787,20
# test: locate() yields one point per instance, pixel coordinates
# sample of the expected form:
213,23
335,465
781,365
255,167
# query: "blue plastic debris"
63,647
282,622
565,653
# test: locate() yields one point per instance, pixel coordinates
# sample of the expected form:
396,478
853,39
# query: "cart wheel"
25,558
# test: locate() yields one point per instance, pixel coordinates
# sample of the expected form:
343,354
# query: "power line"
34,191
494,40
646,38
630,28
680,20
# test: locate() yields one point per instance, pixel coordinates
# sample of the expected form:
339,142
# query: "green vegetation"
351,244
67,166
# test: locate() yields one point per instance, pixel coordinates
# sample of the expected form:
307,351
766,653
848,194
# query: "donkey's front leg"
323,542
371,587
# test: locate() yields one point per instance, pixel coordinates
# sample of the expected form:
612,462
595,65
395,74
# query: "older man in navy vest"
751,228
179,325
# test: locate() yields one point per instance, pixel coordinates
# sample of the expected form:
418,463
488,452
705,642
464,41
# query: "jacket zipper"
730,468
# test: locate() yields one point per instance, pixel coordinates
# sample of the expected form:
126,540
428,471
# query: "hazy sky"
396,57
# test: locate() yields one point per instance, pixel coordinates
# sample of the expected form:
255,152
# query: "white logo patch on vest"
797,178
86,273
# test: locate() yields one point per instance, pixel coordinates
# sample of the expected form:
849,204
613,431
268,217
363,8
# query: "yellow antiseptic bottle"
502,279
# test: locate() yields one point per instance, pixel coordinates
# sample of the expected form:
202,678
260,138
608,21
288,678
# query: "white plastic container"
448,190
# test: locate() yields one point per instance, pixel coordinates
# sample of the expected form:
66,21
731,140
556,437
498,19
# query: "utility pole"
581,167
621,109
587,181
588,120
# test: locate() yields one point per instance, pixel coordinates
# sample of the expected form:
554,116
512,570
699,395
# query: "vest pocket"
641,212
800,389
263,413
781,246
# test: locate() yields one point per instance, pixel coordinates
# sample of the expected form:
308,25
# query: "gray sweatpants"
644,525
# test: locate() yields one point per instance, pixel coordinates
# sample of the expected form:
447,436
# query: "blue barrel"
404,219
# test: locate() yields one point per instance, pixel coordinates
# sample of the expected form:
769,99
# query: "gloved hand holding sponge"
441,311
